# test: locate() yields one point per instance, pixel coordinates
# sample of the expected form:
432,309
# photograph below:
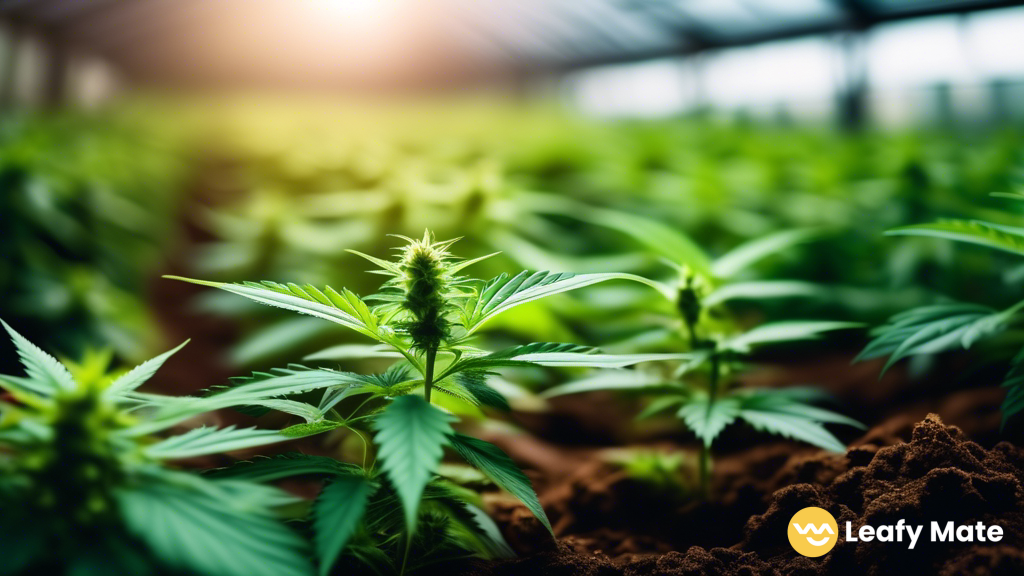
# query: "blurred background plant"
86,215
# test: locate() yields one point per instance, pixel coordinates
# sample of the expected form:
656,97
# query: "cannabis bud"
427,282
692,290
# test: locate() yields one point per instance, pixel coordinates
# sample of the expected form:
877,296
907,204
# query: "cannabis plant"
87,487
946,326
392,511
82,212
703,389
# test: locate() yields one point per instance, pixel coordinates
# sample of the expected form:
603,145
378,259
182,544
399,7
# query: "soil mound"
939,475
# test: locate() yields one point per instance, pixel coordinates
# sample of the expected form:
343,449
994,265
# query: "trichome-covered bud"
427,282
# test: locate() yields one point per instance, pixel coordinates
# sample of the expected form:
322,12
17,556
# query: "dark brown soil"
921,473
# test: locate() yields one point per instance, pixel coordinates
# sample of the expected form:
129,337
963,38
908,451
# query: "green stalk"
428,374
691,333
705,451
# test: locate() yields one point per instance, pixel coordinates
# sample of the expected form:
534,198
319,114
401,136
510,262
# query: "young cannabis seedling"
702,389
949,326
425,315
84,479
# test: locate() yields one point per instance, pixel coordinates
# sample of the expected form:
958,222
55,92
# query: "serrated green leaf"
475,383
207,440
887,339
344,308
504,293
25,388
968,231
202,532
490,460
792,426
283,382
411,436
495,543
794,402
140,374
1014,384
295,408
49,375
708,419
267,469
935,329
310,428
336,514
260,390
556,355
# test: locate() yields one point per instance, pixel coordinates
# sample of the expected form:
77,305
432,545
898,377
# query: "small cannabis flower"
74,461
424,290
427,282
84,465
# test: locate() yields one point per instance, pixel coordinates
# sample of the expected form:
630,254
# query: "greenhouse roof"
366,41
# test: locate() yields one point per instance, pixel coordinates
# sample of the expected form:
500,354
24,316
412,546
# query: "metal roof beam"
874,18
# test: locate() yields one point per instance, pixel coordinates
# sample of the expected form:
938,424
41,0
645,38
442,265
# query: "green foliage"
412,435
501,470
265,469
214,528
699,383
83,213
78,458
336,516
933,329
203,441
985,234
423,318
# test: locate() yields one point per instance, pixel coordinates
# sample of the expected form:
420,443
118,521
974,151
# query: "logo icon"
813,532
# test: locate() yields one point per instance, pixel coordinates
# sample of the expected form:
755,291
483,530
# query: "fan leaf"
411,435
49,375
267,469
206,440
336,515
970,232
504,292
344,308
490,460
140,374
708,419
205,532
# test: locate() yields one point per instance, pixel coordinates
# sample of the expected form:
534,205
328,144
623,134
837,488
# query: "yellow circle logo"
813,532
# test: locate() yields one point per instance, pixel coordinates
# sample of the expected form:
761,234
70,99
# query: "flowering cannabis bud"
427,282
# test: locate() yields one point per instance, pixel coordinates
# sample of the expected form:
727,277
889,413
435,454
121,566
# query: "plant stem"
405,556
428,374
691,333
705,450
